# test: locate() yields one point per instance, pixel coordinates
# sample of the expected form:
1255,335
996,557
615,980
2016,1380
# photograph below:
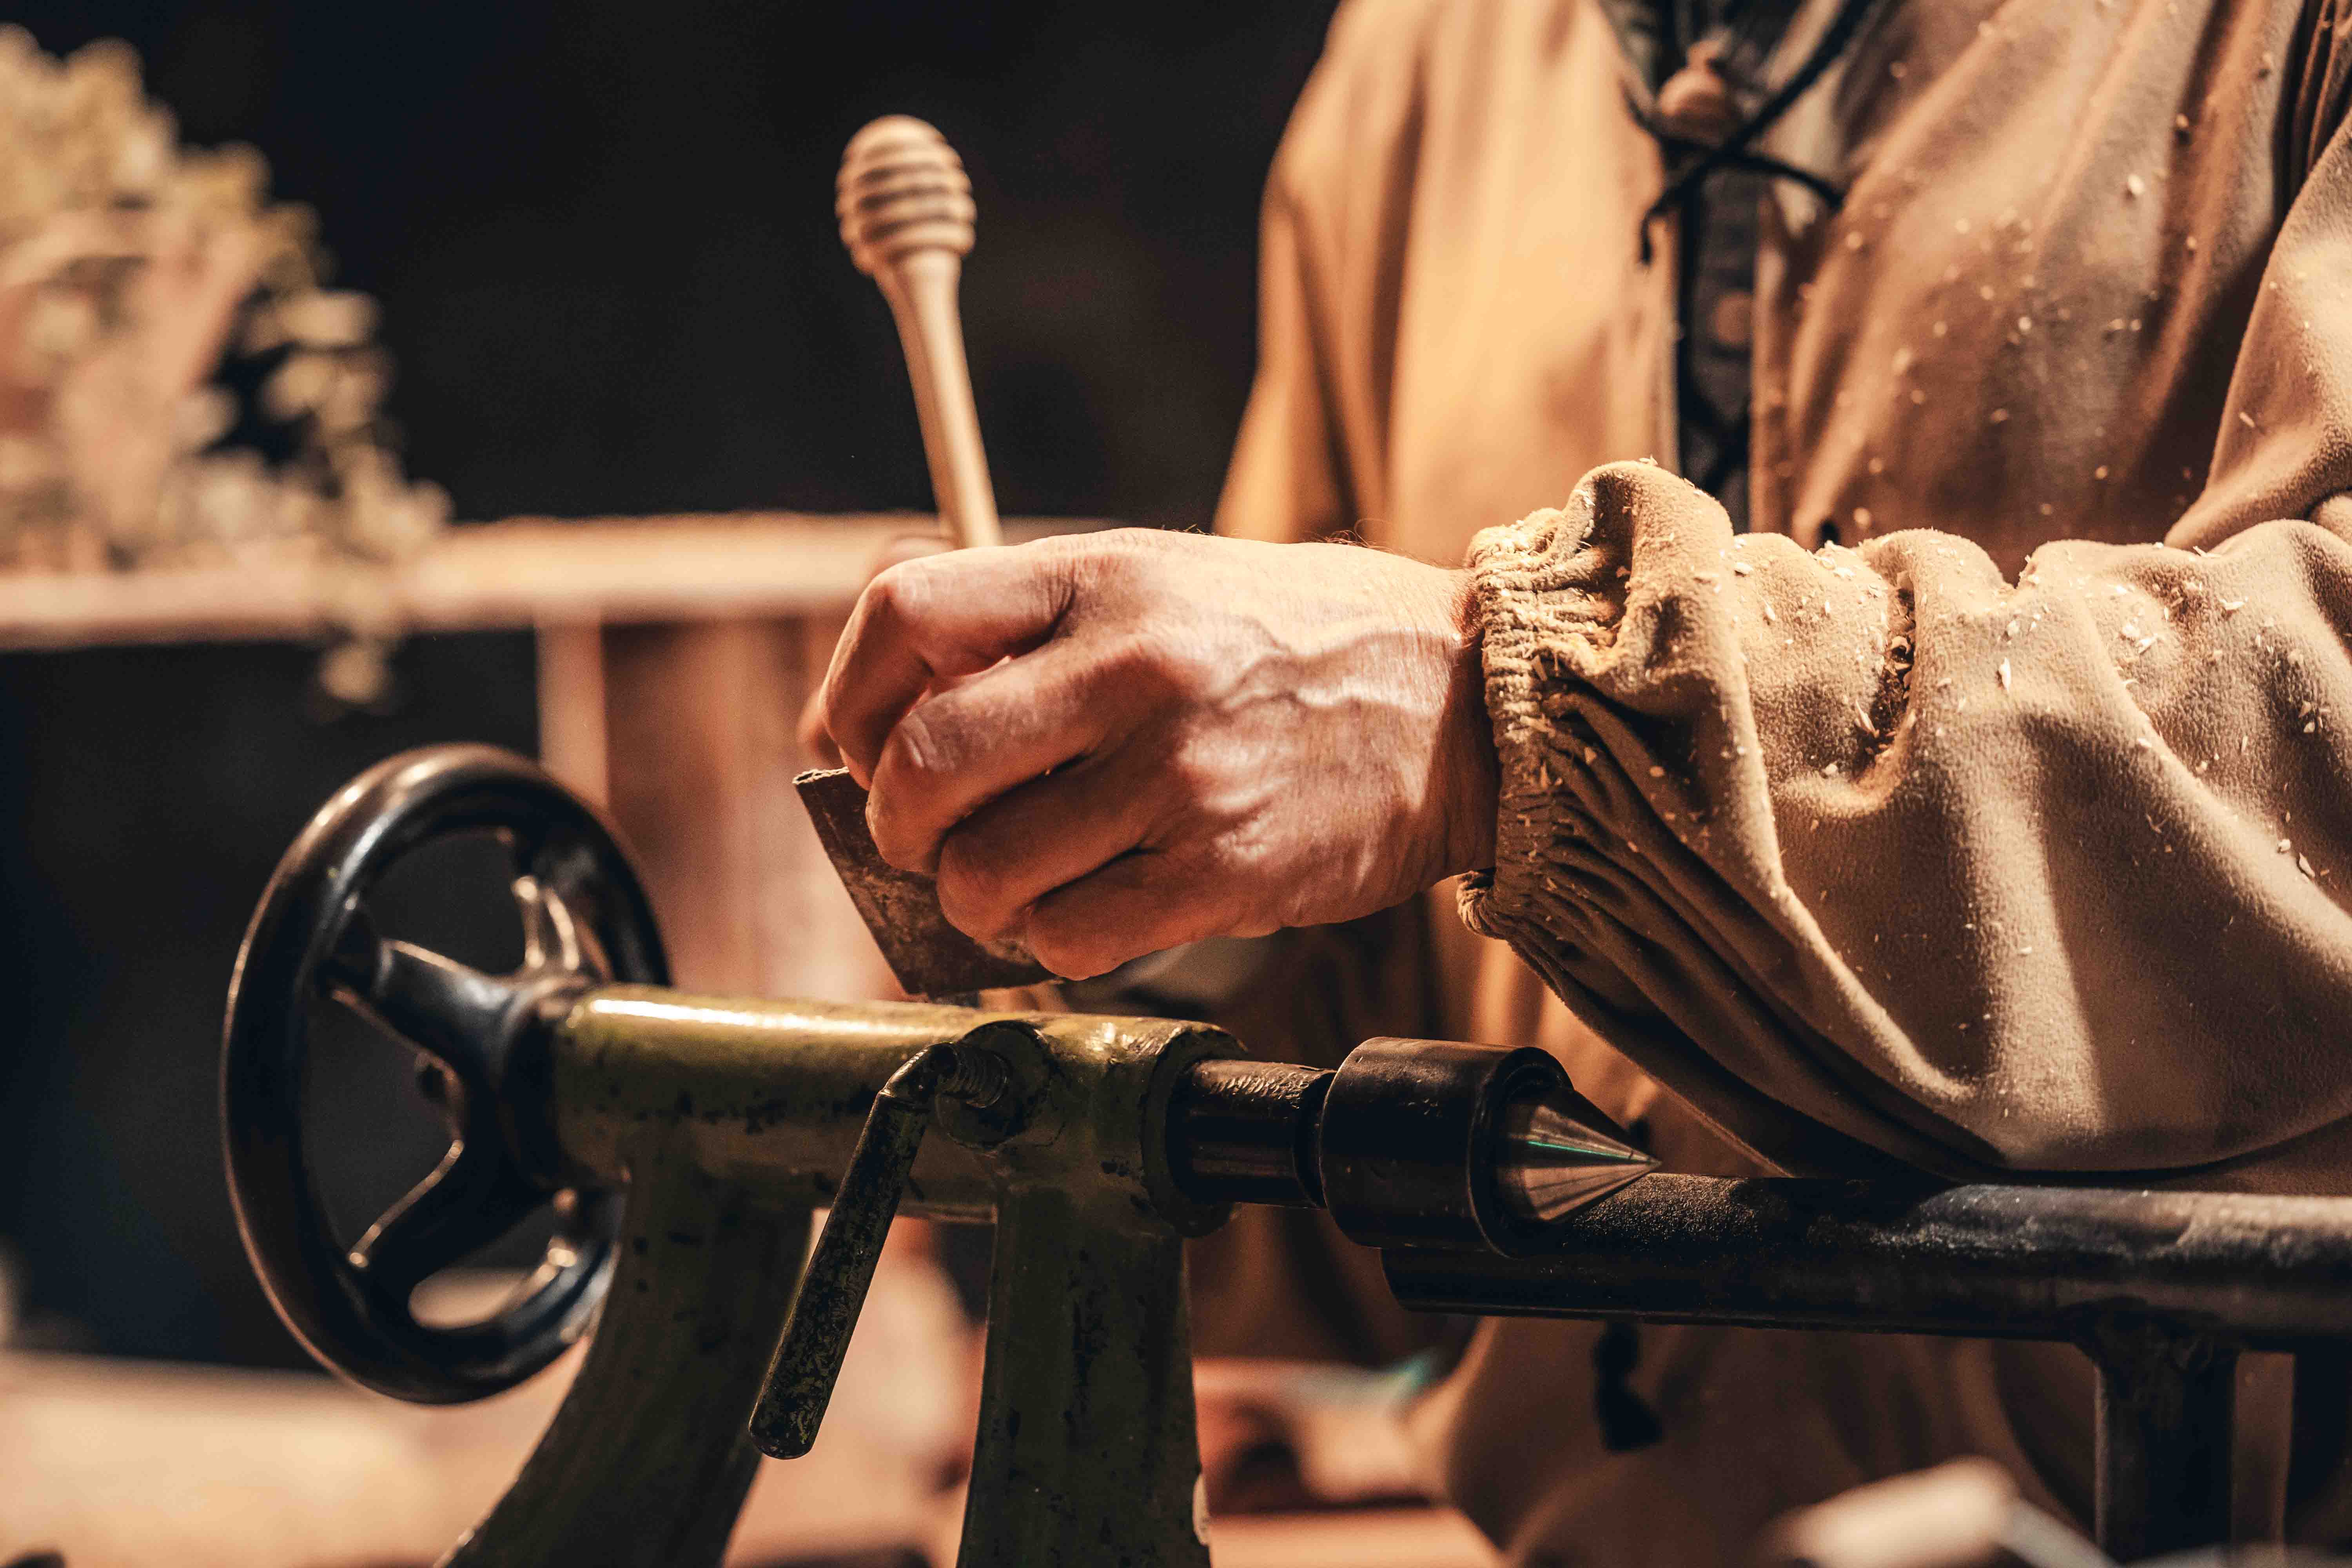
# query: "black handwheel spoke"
551,937
609,918
437,1004
471,1199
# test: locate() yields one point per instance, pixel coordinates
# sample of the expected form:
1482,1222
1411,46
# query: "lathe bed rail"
2162,1290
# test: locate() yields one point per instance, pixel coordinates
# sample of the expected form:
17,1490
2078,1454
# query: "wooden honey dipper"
905,210
906,213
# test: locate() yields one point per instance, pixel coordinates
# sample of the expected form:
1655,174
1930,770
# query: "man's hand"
1107,744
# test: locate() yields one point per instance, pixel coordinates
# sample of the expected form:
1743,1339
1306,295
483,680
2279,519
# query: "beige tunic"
1912,849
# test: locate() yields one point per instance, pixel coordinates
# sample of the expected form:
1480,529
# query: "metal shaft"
2042,1263
1412,1142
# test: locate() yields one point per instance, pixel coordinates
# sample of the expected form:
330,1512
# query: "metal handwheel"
479,1037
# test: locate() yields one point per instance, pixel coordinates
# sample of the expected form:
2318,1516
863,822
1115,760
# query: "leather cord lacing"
1693,161
1626,1420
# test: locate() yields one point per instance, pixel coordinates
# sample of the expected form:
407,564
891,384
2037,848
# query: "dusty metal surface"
2162,1289
1986,1261
928,956
647,1460
2165,1428
767,1094
773,1094
1086,1448
832,1287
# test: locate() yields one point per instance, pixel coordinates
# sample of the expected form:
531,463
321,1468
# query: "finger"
816,740
996,730
1024,843
940,617
1142,902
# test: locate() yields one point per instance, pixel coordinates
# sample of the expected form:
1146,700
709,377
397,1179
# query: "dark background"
602,237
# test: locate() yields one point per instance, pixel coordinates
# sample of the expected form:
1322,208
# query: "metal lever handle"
833,1288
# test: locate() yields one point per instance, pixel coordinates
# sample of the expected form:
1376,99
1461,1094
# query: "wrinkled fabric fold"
1984,877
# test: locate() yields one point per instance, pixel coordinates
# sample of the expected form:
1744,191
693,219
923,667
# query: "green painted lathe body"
771,1095
727,1121
685,1140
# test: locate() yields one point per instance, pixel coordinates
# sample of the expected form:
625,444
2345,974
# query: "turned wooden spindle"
907,216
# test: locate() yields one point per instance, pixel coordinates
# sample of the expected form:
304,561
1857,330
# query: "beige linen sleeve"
1872,852
1289,479
1310,459
2041,876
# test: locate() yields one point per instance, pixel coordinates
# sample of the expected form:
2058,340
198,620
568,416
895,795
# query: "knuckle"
1111,557
1138,544
1069,952
1074,560
1140,660
899,593
1058,550
975,884
921,746
1190,778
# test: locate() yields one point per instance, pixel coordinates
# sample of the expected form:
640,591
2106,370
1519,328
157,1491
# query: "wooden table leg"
685,732
571,740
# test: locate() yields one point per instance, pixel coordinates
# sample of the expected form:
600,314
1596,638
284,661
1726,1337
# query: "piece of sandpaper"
930,957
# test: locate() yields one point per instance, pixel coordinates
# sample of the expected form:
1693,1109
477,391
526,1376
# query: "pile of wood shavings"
131,269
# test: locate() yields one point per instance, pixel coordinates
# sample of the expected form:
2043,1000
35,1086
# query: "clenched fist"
1107,744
